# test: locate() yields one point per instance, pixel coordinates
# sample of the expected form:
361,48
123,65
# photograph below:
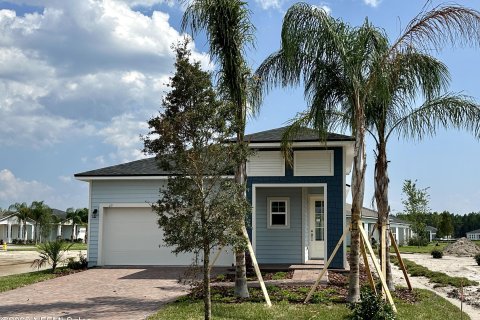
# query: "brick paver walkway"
96,294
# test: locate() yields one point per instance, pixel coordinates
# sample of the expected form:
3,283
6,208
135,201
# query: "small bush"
418,241
371,307
79,240
81,264
437,254
477,258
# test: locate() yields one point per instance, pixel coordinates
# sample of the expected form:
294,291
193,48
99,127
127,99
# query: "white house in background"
400,229
64,229
473,235
11,228
431,232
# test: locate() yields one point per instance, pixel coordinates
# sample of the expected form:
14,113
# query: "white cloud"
75,68
124,133
372,3
325,8
13,189
65,179
269,4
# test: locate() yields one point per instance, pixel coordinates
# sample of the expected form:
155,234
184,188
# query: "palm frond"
444,24
447,111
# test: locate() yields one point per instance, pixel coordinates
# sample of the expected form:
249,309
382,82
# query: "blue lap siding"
335,213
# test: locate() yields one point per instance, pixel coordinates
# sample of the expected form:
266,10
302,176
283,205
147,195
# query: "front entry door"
318,220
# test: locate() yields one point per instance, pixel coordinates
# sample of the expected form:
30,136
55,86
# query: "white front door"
318,223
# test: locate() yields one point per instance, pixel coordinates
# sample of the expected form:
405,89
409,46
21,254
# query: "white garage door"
131,236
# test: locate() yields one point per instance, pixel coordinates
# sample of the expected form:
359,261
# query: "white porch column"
32,236
9,233
20,231
59,230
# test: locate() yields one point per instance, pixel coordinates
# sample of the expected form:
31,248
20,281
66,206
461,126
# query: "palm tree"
76,216
22,212
40,213
229,32
343,69
51,253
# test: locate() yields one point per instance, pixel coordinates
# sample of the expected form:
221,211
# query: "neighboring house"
473,235
11,228
297,210
63,229
400,229
431,232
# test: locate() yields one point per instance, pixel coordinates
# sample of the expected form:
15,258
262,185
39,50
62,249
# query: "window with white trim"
278,213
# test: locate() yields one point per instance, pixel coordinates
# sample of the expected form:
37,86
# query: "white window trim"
287,213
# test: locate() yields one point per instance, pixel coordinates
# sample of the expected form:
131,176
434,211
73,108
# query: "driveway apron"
123,293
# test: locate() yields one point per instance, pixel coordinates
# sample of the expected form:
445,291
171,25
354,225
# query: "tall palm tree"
76,216
22,212
343,70
229,32
40,213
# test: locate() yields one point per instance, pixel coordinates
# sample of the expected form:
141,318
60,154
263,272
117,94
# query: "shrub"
81,264
437,254
417,241
79,240
477,258
279,275
371,307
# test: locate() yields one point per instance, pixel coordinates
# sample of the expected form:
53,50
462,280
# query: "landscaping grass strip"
440,278
428,306
24,279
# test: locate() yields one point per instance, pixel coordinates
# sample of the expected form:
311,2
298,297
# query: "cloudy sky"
79,79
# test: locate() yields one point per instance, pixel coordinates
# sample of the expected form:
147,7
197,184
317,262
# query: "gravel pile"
462,248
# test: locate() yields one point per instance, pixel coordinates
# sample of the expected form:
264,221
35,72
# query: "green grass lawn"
24,279
428,306
425,249
75,246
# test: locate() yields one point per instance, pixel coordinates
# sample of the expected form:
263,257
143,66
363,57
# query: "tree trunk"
358,186
206,282
383,207
241,289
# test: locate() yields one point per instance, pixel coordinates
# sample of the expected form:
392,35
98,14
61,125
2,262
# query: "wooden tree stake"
400,261
217,255
325,267
257,269
383,249
367,267
377,267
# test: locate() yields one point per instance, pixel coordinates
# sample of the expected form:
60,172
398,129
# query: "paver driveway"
96,294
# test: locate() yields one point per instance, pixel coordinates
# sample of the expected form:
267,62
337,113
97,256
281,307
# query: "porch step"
309,275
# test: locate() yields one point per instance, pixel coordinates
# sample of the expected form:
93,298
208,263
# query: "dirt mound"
462,248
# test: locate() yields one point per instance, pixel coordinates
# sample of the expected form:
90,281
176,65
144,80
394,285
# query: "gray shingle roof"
370,213
144,167
306,135
474,231
148,167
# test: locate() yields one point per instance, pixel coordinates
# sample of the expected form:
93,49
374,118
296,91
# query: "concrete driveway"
123,293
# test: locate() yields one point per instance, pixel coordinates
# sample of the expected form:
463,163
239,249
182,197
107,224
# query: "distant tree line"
419,215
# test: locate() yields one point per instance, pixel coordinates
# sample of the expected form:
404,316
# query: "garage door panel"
131,236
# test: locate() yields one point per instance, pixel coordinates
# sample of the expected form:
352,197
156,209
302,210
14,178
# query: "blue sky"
79,79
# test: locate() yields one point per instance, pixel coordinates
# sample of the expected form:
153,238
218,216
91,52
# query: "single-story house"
473,235
431,232
400,228
12,228
64,228
298,209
